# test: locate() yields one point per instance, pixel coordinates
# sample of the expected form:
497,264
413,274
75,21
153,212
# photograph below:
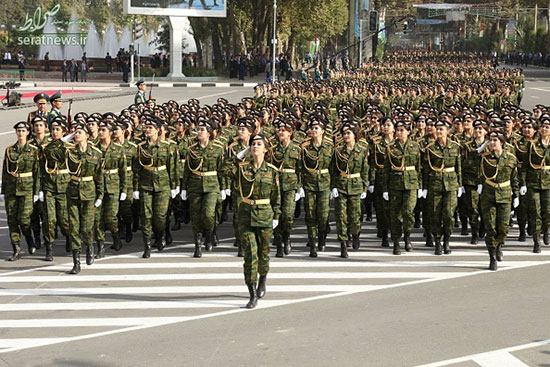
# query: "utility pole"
351,31
536,12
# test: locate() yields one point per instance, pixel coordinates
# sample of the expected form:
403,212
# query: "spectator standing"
109,63
73,67
64,70
47,61
83,70
21,65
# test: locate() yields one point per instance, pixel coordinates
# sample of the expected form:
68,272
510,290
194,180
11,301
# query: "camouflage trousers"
382,208
154,209
202,206
236,201
522,212
496,217
18,211
402,203
81,222
317,208
348,215
441,207
286,220
55,214
539,210
106,216
37,216
255,244
471,199
125,211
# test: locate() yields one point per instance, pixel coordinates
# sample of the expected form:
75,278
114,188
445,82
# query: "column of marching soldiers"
422,137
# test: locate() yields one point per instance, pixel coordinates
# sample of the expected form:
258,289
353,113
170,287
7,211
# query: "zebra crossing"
44,305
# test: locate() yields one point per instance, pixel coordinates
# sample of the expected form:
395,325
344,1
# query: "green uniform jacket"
316,162
537,167
258,184
87,181
287,160
54,173
156,167
203,168
20,171
442,167
350,172
130,151
114,168
499,176
471,163
522,154
403,166
140,97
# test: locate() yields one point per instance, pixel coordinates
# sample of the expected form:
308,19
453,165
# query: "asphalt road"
373,309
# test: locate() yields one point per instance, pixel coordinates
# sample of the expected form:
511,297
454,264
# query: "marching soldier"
41,101
56,103
522,154
20,188
140,95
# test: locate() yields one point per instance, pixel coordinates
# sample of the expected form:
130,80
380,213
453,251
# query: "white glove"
183,195
241,154
363,195
174,192
482,147
461,191
98,203
333,193
523,190
386,196
425,193
370,189
275,223
516,202
297,196
227,192
302,193
419,194
34,198
68,137
135,195
123,196
223,195
479,189
41,196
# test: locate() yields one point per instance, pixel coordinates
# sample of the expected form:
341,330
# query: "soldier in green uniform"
350,177
202,182
156,180
114,172
20,188
54,180
286,156
84,193
521,150
402,184
499,179
41,101
57,104
140,95
537,184
258,214
317,153
442,180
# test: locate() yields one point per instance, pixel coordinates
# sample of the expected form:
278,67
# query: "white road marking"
535,97
497,358
90,322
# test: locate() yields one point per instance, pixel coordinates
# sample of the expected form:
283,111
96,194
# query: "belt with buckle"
112,171
450,169
155,169
256,202
498,185
287,170
402,169
205,174
82,179
350,175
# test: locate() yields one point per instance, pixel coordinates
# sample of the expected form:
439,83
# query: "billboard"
183,8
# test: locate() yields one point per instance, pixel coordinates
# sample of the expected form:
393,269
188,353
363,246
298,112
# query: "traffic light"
373,21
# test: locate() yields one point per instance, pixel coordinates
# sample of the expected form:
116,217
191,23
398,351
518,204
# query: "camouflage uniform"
382,207
37,216
470,176
125,207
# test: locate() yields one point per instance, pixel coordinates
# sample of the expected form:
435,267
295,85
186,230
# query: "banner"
511,30
180,8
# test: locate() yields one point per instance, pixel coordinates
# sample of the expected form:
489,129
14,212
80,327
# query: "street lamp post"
274,41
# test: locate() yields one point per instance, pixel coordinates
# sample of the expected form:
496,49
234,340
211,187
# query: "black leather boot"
100,250
464,222
49,252
475,239
146,247
30,244
215,240
546,236
385,242
68,247
298,209
37,240
261,286
481,230
492,259
343,250
287,245
160,242
536,243
522,235
198,245
168,234
253,295
429,240
407,240
312,247
90,254
128,232
446,246
240,250
355,241
417,220
437,246
16,252
396,247
499,252
76,262
322,240
208,240
117,243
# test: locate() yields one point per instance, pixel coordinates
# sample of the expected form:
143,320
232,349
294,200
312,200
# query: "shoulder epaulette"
117,145
194,144
96,148
272,166
132,144
33,146
233,144
164,142
143,142
306,144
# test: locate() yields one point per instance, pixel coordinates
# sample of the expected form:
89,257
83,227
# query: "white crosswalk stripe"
113,296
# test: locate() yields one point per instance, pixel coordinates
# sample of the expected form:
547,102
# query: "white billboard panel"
183,8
